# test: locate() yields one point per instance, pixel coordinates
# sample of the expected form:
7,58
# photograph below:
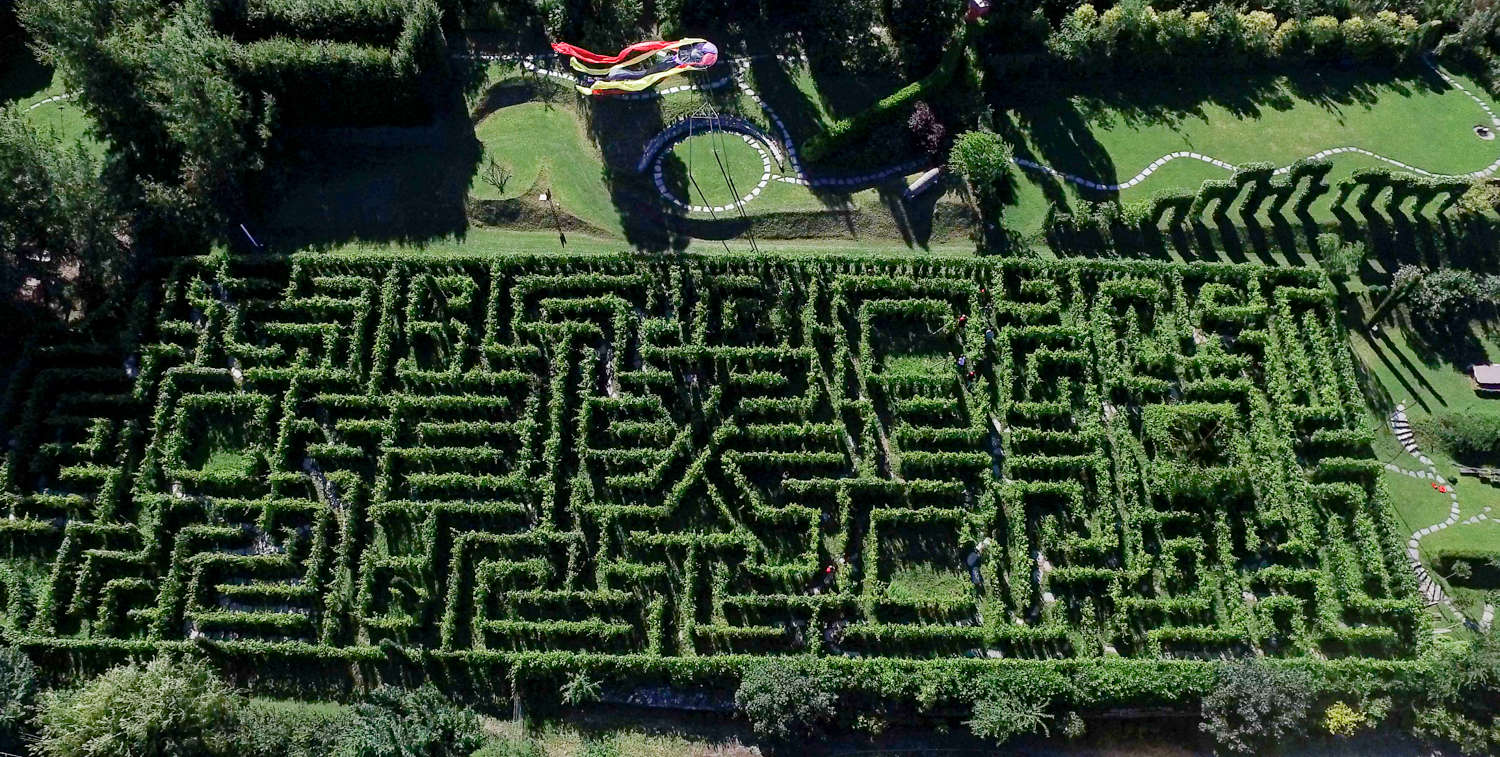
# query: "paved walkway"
1429,587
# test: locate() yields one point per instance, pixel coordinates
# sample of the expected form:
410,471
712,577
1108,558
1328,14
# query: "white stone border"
48,101
1430,588
1087,183
661,182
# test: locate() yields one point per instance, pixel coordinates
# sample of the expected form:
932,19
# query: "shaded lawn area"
477,240
545,148
28,84
1112,131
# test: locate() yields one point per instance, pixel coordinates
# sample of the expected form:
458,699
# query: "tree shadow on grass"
381,185
21,74
621,129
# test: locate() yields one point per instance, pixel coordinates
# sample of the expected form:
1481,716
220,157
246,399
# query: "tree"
17,695
1004,715
983,160
1463,700
165,709
1254,706
1340,260
60,236
928,131
787,700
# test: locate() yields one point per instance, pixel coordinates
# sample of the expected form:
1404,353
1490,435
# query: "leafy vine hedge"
677,467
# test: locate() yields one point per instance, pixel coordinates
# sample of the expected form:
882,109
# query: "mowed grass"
544,147
29,85
1111,134
717,165
484,241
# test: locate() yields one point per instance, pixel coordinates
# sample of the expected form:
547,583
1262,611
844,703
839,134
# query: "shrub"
1004,714
1254,706
1340,260
511,748
787,701
984,160
410,723
166,708
927,130
847,130
17,694
289,729
1467,434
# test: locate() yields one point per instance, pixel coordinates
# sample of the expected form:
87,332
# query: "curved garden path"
1431,590
1156,165
48,100
549,65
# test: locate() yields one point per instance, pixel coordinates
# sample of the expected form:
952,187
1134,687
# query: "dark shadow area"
21,74
619,128
381,184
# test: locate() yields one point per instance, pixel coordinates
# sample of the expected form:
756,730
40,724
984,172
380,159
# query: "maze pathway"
704,457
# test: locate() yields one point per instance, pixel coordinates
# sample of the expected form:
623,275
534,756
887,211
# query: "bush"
410,723
1340,260
166,708
289,729
984,160
17,694
1467,434
786,701
1005,714
1254,707
511,748
847,130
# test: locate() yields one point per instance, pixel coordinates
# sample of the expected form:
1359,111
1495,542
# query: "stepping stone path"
1430,588
550,65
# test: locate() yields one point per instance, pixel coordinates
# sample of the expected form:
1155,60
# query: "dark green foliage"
396,722
1255,707
1482,567
164,709
53,216
1462,706
1004,714
289,729
918,26
788,701
896,105
18,689
1469,434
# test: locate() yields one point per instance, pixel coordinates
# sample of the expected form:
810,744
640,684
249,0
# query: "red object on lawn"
1434,484
592,57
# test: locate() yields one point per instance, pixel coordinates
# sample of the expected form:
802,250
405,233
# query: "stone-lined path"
48,100
1155,165
548,65
1429,587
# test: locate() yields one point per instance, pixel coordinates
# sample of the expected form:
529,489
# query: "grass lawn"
544,147
707,157
1111,133
1398,369
29,85
490,241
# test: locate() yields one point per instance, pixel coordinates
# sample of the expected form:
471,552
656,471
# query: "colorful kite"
640,66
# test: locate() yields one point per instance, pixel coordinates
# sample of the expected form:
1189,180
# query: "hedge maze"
706,456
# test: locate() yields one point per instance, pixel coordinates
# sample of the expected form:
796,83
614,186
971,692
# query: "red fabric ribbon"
564,48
